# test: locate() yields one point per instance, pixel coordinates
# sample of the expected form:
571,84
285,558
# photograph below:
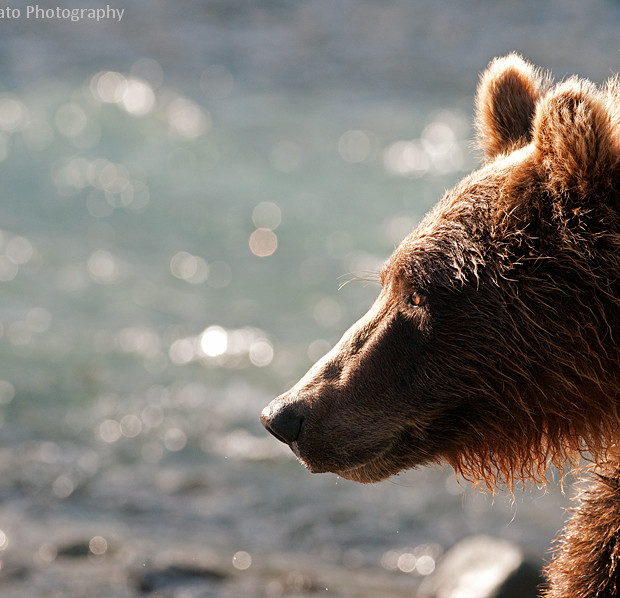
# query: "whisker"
367,277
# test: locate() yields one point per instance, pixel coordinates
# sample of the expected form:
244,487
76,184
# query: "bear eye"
416,299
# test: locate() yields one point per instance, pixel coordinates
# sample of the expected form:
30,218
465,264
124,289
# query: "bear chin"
376,469
368,473
381,466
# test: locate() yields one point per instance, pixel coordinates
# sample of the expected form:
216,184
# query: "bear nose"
282,420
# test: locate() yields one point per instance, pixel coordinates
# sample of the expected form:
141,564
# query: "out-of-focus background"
183,193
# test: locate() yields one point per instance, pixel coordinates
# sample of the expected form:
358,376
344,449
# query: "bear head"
494,342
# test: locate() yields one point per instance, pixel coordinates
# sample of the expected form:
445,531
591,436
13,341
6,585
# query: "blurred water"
183,196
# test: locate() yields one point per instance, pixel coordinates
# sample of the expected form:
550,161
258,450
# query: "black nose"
284,421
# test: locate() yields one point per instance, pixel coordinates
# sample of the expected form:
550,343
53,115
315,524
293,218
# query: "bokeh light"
317,349
19,249
175,439
103,267
12,112
130,426
187,119
4,541
438,151
242,560
354,146
8,268
190,268
110,431
108,87
214,341
138,97
217,346
327,312
267,214
98,545
63,486
261,353
263,242
420,560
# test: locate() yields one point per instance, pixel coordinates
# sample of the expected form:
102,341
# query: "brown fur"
495,342
505,104
587,561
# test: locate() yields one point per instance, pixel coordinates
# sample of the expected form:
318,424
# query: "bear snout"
283,420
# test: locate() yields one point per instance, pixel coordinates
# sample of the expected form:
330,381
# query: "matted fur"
494,344
587,561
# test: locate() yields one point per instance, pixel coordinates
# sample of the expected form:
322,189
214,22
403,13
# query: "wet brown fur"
587,560
512,362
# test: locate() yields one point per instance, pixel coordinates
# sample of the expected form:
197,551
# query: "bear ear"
575,138
506,101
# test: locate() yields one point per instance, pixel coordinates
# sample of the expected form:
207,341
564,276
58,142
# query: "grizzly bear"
494,344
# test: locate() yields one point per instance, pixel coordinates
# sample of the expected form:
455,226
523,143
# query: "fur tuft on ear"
574,134
505,104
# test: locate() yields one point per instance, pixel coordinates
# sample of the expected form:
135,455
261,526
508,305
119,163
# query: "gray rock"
179,576
483,567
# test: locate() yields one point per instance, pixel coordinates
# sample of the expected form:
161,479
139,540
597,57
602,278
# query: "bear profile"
494,344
